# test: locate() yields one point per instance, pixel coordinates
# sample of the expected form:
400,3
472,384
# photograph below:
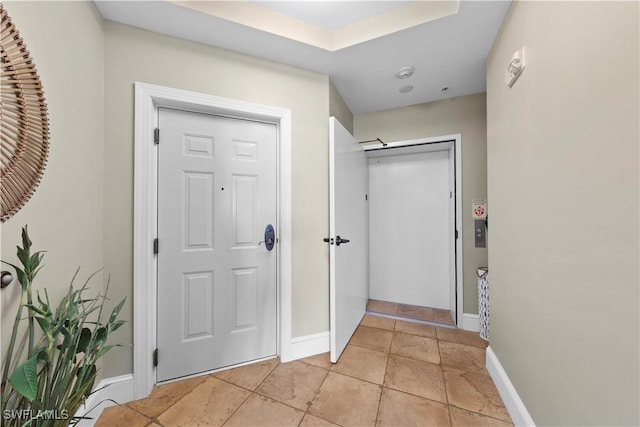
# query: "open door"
348,235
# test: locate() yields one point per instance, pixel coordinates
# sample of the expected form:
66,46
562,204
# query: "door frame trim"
148,98
456,140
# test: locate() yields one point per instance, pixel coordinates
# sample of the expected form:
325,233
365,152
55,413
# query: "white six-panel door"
348,212
217,288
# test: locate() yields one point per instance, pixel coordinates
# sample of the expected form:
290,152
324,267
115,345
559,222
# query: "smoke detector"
405,72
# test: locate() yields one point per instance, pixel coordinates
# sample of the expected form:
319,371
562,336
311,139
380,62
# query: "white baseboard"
309,345
109,390
519,414
470,322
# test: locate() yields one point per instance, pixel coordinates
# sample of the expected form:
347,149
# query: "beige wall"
465,115
339,109
136,55
563,193
66,42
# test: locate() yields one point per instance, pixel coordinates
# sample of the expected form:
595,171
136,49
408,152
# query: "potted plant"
49,372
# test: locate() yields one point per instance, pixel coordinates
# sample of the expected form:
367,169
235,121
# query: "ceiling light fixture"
405,72
406,89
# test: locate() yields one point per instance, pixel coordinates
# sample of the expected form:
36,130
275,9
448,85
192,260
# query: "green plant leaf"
56,328
25,378
21,275
9,264
34,262
86,377
36,309
116,311
22,278
43,305
100,336
23,256
83,342
116,325
67,337
44,324
36,271
26,241
42,356
103,350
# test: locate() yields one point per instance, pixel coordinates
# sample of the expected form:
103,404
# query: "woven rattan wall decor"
24,123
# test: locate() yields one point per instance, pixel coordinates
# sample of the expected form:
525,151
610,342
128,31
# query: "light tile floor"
392,373
411,311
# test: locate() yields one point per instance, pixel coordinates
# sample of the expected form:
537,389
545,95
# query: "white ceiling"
331,14
449,51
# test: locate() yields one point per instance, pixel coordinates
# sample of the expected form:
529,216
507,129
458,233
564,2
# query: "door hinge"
156,136
366,197
156,245
456,234
155,358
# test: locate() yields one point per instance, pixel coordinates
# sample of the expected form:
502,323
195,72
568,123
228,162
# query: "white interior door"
348,270
216,283
411,225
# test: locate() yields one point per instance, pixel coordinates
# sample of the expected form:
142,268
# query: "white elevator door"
409,229
216,283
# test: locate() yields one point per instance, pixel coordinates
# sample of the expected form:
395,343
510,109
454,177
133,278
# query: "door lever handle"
340,240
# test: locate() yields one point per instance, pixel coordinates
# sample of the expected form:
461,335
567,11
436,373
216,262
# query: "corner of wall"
339,109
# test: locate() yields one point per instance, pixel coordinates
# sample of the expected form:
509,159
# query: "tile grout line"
391,388
256,392
444,383
329,370
251,392
359,379
385,373
413,334
205,378
449,404
236,410
242,387
412,394
389,353
314,398
156,418
368,348
482,415
384,377
126,405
